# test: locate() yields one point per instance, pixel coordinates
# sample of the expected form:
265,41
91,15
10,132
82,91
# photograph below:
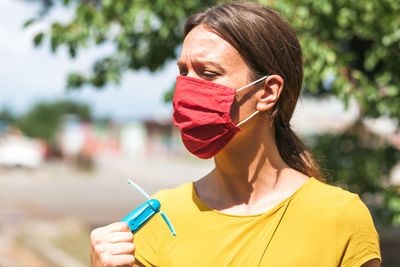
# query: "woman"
265,203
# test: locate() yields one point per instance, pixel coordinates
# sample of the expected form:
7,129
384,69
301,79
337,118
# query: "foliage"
351,50
43,120
7,116
144,33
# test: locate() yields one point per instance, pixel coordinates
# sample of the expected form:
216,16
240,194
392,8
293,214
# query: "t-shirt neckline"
198,201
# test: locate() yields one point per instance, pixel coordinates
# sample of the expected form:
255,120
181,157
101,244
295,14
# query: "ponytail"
294,152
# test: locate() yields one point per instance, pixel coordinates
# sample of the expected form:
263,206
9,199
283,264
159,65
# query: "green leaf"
75,80
29,22
37,40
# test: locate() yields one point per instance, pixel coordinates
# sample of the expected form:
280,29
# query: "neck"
250,166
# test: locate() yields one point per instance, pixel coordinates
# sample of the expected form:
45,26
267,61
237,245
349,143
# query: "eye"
209,74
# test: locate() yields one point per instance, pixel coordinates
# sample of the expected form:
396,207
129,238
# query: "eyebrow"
204,62
180,64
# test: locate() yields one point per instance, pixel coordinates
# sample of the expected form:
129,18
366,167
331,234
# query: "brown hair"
269,45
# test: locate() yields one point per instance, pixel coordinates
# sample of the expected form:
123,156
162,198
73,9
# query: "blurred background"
85,105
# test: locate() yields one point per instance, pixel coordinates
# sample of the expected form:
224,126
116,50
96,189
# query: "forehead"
201,44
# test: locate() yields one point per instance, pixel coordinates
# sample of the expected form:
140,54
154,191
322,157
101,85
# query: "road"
58,192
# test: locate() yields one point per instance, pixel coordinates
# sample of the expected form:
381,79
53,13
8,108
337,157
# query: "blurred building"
149,137
17,150
162,137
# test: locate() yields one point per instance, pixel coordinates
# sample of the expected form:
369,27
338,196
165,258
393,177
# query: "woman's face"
207,56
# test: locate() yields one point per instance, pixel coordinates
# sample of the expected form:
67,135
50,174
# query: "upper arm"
358,241
372,263
139,264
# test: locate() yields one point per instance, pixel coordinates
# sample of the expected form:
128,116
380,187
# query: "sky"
29,74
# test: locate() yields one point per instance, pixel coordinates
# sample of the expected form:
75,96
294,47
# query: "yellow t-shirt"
318,225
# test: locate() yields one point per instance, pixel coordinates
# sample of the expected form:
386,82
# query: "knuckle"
124,226
95,241
131,247
117,227
105,259
99,248
131,260
116,224
93,234
130,236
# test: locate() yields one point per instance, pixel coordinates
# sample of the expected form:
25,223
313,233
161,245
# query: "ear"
273,87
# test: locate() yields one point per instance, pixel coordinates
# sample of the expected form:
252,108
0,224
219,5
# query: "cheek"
243,106
234,112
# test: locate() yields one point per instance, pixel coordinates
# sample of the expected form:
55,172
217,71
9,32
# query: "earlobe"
273,87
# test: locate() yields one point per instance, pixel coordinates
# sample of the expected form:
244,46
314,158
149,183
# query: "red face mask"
201,112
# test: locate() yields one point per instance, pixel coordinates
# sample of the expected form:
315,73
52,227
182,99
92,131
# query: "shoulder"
334,206
328,196
325,189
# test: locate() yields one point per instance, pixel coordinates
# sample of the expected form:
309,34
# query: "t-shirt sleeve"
357,239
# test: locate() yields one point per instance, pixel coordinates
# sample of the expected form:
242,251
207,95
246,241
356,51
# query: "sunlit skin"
250,177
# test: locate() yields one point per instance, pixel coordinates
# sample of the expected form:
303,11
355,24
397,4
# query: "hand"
112,246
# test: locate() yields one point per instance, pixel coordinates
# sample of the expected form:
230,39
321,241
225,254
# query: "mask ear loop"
250,84
248,118
244,87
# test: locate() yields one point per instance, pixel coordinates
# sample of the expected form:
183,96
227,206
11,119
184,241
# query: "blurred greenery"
146,34
351,50
7,116
44,118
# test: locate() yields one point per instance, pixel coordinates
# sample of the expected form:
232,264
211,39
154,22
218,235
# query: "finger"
117,227
116,237
114,248
98,236
121,248
117,260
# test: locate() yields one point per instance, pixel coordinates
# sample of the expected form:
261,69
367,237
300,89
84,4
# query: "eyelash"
206,74
209,74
